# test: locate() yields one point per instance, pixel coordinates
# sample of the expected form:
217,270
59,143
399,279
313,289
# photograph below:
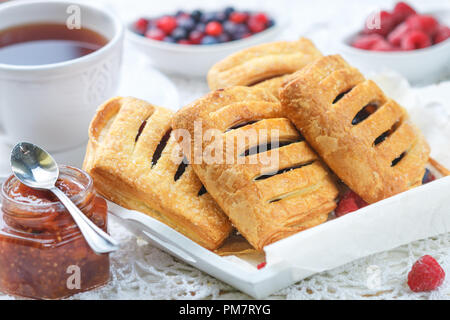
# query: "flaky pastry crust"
130,156
265,203
362,135
263,65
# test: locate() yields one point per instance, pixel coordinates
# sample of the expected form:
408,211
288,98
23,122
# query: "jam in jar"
43,254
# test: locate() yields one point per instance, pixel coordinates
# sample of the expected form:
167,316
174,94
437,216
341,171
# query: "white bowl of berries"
415,45
189,43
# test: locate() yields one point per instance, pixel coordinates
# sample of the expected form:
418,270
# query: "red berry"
155,34
238,17
380,23
141,25
442,34
261,17
255,25
382,45
425,23
366,42
349,202
415,40
184,41
213,28
196,37
167,24
261,265
425,275
402,10
396,36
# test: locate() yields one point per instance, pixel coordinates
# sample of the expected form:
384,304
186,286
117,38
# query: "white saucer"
139,80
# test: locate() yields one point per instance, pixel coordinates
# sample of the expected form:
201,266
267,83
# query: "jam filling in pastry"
265,202
265,66
130,157
363,136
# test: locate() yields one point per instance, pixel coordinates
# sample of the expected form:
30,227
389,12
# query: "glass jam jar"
43,254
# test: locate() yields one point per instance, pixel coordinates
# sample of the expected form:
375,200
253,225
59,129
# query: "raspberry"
141,25
261,17
425,275
255,25
396,36
261,265
386,24
402,10
349,202
415,40
196,37
366,42
213,28
184,41
167,24
382,45
442,34
238,17
425,23
155,34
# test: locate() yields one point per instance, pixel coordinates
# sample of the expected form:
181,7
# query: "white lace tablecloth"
141,271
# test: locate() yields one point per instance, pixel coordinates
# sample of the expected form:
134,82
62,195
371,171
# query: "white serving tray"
416,214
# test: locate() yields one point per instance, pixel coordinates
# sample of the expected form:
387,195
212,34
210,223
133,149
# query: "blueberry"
186,23
196,15
209,40
169,39
223,38
426,176
220,17
208,17
179,33
229,27
270,23
240,32
179,13
200,27
228,11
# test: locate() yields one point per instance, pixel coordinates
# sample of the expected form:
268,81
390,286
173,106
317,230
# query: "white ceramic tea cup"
51,105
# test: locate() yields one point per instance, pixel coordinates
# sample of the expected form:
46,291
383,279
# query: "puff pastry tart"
268,191
266,65
130,156
363,136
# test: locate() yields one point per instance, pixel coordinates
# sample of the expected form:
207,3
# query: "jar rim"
77,198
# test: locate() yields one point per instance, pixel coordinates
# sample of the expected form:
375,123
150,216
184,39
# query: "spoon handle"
97,239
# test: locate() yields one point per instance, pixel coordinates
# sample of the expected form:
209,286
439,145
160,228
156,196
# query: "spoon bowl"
33,166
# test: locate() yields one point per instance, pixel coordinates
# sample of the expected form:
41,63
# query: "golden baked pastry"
263,65
266,201
130,156
363,136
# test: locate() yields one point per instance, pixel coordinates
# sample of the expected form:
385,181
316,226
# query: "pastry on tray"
130,156
266,65
362,135
265,200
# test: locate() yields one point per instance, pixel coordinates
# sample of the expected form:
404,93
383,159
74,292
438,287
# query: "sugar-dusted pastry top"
362,135
262,62
266,201
132,155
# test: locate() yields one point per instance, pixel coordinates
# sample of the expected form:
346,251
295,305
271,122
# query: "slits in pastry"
268,191
363,136
265,66
131,159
